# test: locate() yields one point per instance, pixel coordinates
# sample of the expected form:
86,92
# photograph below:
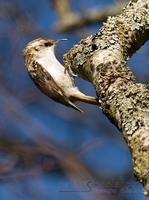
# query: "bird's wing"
47,85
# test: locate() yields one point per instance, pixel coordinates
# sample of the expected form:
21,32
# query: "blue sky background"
26,115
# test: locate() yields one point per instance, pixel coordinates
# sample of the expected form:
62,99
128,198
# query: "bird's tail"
84,98
74,107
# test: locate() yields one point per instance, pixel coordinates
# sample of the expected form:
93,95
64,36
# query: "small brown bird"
48,74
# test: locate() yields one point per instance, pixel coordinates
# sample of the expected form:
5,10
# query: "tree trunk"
101,59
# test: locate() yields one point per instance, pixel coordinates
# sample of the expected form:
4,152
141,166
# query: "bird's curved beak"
60,40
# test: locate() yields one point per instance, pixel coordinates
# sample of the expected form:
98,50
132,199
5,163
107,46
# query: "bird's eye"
46,44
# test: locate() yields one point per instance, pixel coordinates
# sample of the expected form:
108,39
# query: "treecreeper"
48,74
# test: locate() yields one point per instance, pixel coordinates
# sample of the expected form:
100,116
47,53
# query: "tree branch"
101,59
69,20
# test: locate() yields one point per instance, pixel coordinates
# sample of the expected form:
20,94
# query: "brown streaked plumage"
48,74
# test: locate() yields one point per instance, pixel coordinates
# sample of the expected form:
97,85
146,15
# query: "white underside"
56,70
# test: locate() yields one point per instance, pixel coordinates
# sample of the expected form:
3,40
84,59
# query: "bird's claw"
70,70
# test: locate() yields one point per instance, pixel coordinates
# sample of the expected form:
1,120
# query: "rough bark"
101,59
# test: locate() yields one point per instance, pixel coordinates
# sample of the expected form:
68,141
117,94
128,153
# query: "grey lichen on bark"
101,59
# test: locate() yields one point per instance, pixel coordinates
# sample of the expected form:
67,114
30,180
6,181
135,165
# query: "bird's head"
39,47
